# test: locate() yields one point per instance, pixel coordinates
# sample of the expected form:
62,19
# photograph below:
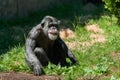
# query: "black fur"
40,49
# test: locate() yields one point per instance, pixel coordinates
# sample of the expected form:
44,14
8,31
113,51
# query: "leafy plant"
101,68
113,6
114,78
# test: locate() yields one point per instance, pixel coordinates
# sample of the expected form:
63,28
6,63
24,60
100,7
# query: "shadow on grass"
13,32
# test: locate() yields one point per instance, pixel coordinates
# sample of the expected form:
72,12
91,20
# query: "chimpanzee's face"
53,31
51,28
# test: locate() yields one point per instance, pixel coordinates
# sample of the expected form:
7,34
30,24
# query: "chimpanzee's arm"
67,51
30,45
31,58
71,56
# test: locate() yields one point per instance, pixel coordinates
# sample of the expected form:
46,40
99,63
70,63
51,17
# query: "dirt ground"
25,76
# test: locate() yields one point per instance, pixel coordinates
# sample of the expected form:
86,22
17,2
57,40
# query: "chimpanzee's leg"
42,56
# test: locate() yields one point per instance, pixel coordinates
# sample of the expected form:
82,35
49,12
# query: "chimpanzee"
43,45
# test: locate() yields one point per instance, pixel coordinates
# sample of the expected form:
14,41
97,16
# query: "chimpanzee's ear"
42,25
59,22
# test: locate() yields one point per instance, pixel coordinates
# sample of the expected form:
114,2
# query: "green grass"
13,60
95,62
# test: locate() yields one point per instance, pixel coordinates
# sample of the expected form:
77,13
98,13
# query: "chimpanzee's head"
50,26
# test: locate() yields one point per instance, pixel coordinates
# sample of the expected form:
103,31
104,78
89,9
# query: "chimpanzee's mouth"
54,33
53,36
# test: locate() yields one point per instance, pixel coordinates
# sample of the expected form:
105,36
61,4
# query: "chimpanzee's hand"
38,71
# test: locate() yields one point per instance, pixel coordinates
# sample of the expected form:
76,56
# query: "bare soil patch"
97,36
26,76
116,55
67,33
94,28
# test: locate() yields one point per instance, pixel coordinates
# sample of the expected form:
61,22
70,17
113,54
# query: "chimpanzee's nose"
54,28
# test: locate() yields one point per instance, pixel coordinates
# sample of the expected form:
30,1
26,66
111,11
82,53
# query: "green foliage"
95,61
113,6
13,60
114,78
99,69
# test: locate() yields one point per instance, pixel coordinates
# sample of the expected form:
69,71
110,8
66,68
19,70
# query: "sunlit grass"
95,61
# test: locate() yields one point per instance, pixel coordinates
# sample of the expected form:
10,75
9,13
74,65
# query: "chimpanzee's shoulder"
35,32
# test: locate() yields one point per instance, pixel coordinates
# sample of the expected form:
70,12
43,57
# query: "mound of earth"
25,76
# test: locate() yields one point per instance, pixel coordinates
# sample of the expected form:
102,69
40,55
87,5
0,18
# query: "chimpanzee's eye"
56,26
53,25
